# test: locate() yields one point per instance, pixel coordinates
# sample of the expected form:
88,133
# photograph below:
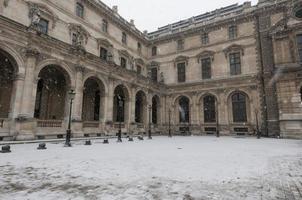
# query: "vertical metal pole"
170,135
68,132
149,132
217,120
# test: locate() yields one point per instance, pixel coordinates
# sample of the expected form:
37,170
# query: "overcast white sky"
151,14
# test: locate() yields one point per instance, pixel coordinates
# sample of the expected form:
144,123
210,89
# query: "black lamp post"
217,121
120,107
169,113
149,131
68,131
257,124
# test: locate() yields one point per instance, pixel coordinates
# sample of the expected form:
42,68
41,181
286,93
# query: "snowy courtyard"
184,168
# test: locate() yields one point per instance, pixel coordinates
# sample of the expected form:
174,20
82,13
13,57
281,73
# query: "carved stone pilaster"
80,68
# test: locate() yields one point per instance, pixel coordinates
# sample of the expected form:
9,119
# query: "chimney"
132,22
115,9
247,4
145,32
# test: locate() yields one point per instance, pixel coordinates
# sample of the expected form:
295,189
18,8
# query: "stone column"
16,100
109,102
29,97
78,101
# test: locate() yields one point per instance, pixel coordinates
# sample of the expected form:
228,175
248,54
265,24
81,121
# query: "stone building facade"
234,69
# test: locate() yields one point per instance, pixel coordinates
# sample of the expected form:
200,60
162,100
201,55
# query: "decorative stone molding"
233,48
104,43
181,59
205,54
38,10
19,77
139,61
79,32
5,3
79,68
296,9
31,52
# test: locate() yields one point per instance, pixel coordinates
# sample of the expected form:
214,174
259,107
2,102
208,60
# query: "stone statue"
35,15
162,78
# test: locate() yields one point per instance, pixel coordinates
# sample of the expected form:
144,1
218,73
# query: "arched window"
184,110
209,109
7,72
51,93
239,107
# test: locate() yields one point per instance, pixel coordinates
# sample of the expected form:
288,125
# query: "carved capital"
80,68
32,52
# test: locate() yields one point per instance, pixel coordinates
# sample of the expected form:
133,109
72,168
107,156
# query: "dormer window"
154,51
80,10
232,32
105,26
124,38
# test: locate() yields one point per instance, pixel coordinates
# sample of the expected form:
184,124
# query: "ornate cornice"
205,54
233,48
79,29
179,59
104,42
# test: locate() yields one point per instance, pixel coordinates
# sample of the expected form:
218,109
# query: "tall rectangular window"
80,10
205,38
123,62
299,45
154,51
181,71
138,69
206,68
103,54
232,32
154,74
235,63
105,26
180,44
139,47
43,26
124,38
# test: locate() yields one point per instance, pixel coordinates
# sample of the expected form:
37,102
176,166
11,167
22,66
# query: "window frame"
205,38
180,44
139,47
234,62
205,76
80,13
154,51
154,76
209,109
299,47
124,38
181,72
40,27
237,108
233,32
102,56
105,26
123,63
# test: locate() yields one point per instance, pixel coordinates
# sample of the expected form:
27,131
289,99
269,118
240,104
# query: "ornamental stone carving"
38,11
205,54
79,35
233,48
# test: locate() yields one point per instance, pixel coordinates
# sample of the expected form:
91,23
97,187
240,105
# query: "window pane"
80,10
184,110
154,51
239,107
103,53
154,74
139,69
209,109
299,45
235,63
206,68
181,68
43,26
123,63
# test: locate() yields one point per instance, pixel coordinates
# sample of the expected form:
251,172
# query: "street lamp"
120,107
257,124
71,94
169,112
217,121
149,132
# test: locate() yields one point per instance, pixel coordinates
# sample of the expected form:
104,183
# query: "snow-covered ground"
186,168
